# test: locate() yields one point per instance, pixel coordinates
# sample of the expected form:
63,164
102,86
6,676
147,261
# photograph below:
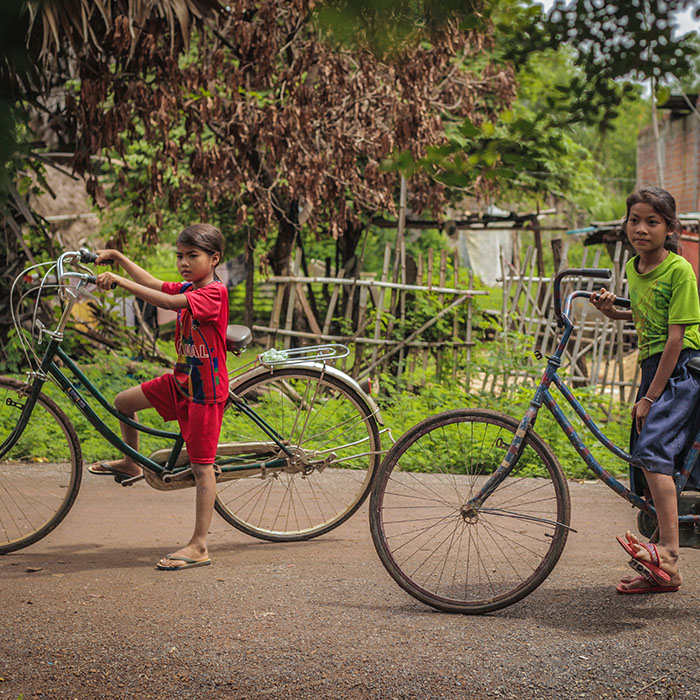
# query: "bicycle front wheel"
446,548
334,439
40,474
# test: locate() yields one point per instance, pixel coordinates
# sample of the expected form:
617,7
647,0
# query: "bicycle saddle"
237,338
694,365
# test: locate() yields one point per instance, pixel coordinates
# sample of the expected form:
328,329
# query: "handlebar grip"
599,272
93,280
87,256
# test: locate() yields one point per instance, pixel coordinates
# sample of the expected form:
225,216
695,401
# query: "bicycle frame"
49,368
543,396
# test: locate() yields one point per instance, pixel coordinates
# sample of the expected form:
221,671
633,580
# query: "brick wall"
680,153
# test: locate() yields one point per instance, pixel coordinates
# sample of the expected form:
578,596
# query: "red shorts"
200,423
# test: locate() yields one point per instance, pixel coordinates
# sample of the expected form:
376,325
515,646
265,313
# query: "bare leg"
129,402
663,491
196,548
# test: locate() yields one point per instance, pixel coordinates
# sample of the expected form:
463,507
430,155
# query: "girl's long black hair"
203,236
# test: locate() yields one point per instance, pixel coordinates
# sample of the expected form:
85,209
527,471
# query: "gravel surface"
86,615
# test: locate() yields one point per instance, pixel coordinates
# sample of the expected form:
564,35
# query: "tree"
277,122
36,35
534,146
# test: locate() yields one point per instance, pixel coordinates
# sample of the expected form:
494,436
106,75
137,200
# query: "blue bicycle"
470,510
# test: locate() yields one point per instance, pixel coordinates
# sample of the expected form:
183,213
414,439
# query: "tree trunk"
281,254
249,312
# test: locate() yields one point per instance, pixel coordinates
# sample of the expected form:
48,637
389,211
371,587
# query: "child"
195,393
666,312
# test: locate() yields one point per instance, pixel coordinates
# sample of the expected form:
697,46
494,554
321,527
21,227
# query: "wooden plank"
368,341
509,315
359,347
276,311
291,303
382,292
402,302
528,298
455,315
331,307
350,281
470,313
306,308
441,301
430,269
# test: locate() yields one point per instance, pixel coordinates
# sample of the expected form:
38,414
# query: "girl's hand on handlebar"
604,301
108,280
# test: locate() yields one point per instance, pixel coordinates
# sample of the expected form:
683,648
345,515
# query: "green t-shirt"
666,295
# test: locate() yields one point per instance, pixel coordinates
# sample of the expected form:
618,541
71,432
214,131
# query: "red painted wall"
690,249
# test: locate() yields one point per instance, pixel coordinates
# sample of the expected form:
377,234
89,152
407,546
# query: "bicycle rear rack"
313,353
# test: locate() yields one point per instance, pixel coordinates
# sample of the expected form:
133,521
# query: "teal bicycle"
300,442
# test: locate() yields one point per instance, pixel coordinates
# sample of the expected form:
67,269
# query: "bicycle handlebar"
595,272
87,256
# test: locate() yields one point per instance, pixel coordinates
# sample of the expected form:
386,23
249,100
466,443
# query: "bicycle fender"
320,367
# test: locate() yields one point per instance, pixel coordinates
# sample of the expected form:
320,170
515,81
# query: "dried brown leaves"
276,121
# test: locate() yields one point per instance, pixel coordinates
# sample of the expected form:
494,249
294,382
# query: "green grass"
400,409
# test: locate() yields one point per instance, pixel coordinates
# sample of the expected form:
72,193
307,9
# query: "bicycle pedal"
130,481
178,476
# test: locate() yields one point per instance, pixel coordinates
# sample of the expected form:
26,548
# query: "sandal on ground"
646,568
651,587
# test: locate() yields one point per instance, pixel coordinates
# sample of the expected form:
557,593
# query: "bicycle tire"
459,559
41,474
325,422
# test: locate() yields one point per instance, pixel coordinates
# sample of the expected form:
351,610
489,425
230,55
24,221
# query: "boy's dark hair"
665,206
203,236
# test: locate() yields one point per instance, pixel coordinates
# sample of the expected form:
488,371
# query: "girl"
195,393
666,312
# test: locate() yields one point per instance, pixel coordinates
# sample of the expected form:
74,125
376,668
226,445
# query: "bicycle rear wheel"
462,557
334,437
40,475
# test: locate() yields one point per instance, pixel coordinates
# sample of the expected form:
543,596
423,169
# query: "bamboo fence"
376,310
369,313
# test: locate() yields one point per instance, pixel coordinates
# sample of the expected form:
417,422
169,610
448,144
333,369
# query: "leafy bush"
402,410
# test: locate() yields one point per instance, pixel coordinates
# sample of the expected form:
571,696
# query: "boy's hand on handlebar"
604,301
108,280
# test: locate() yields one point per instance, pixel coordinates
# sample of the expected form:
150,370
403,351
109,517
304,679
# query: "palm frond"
58,26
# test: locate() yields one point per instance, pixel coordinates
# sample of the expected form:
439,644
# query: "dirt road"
86,615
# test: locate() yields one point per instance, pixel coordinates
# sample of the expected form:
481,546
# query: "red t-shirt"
200,340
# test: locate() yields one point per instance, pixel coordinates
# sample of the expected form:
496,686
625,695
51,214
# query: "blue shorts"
671,425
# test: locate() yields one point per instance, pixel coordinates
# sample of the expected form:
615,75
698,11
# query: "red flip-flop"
653,587
650,568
